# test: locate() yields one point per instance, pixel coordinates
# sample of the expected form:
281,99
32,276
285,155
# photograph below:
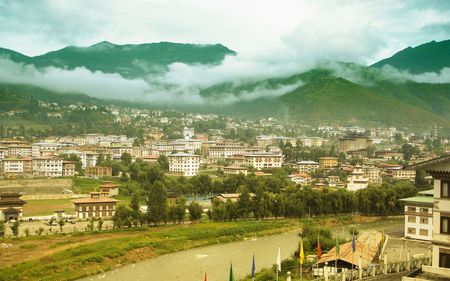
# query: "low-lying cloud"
180,85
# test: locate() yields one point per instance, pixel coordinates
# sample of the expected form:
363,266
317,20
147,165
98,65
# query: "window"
423,220
424,210
411,209
444,260
423,232
445,225
411,230
445,189
412,219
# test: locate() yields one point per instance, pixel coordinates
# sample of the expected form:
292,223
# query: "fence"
373,270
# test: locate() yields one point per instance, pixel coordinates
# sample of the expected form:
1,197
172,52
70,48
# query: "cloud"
370,75
159,90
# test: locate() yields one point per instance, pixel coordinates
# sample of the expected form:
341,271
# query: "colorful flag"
338,249
353,242
231,273
301,254
253,267
279,260
319,248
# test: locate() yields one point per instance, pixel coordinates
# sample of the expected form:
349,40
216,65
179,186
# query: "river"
215,260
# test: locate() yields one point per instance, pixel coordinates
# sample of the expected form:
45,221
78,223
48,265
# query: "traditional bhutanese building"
439,168
419,216
11,206
95,206
109,188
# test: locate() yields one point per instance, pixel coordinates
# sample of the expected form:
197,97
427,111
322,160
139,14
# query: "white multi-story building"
402,174
357,180
48,167
45,149
373,174
419,216
264,160
188,133
13,166
306,166
223,151
185,164
439,168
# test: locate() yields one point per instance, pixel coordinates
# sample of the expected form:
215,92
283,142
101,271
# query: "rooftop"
418,199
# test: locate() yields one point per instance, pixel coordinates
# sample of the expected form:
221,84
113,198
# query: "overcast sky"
273,39
260,30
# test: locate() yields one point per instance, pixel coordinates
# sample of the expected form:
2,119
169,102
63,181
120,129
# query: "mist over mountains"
413,86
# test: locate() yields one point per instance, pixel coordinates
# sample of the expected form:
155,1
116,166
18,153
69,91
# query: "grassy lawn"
69,257
46,207
86,185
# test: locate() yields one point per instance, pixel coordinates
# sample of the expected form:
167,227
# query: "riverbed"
215,260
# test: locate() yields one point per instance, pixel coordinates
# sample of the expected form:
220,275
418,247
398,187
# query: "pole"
301,272
277,273
353,255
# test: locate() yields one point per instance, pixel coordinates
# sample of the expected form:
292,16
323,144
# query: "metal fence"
372,271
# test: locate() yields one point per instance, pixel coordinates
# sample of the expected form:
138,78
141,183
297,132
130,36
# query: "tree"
180,209
90,225
15,228
195,211
244,203
157,203
122,217
135,208
100,159
2,229
40,231
126,159
27,232
420,180
163,162
61,223
100,224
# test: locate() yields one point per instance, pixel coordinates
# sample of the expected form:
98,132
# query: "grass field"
69,257
86,185
46,207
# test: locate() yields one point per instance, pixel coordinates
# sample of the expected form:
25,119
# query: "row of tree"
294,203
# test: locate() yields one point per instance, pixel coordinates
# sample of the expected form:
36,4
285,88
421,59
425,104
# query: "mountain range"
332,92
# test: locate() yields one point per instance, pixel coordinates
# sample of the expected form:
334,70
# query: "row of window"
423,220
413,231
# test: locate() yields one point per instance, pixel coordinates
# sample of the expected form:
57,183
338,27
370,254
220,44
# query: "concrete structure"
357,180
306,166
188,133
12,167
94,207
48,167
419,217
11,206
328,162
98,171
264,160
235,170
224,151
401,174
68,169
185,164
439,168
109,188
354,143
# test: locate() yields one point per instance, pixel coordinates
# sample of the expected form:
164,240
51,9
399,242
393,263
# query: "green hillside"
129,60
429,57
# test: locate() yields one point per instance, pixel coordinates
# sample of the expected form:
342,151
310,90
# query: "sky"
271,37
359,30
